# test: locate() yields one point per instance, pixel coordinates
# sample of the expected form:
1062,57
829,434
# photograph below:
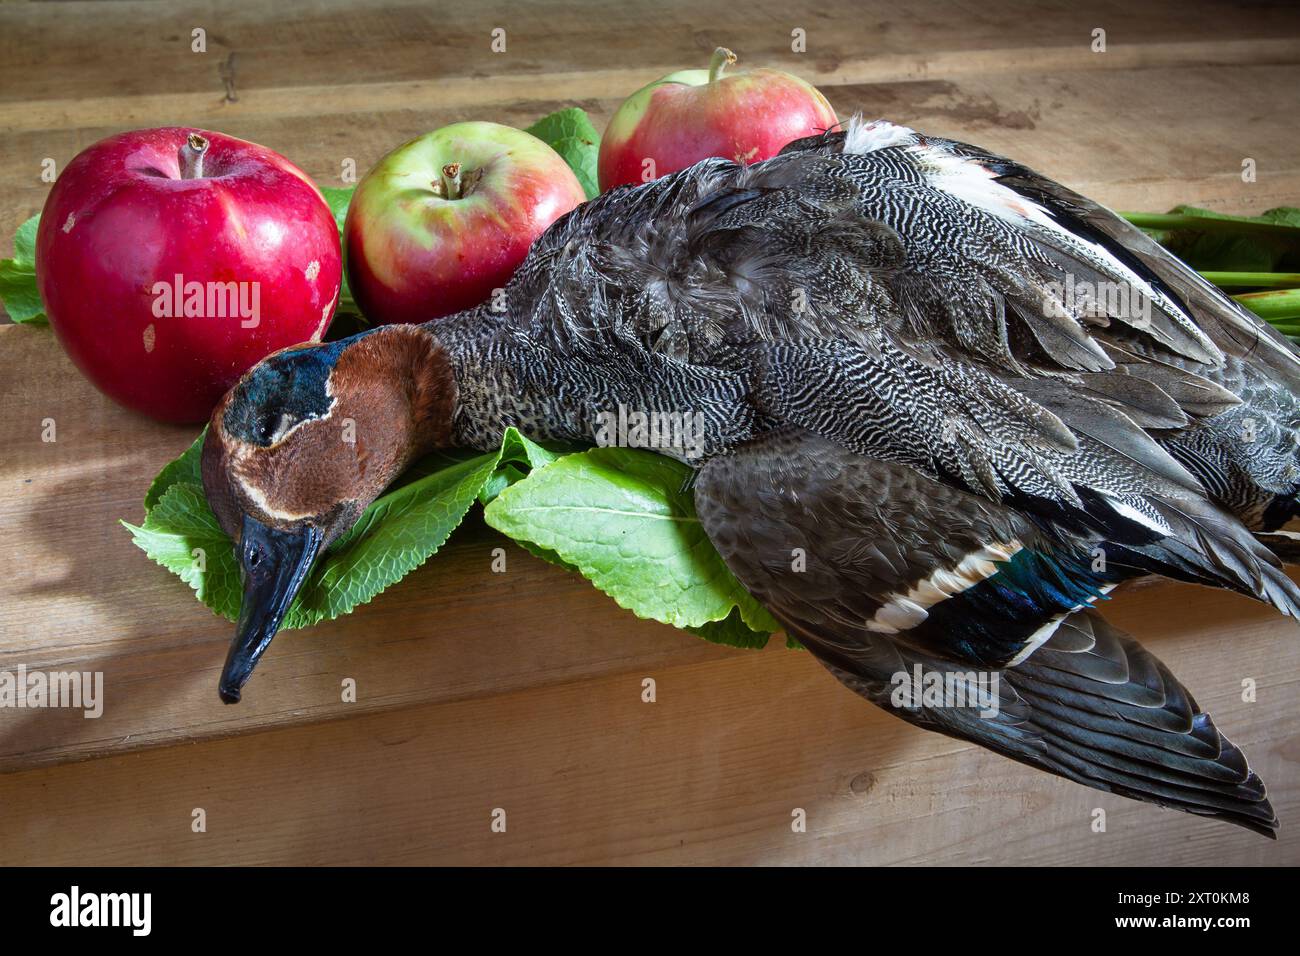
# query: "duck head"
298,449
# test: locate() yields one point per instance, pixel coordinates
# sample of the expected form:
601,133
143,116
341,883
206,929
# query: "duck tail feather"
1230,554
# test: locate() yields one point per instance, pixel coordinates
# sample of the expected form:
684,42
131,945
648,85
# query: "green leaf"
625,519
25,241
395,535
501,479
519,456
186,468
338,198
733,631
517,447
181,533
18,291
569,132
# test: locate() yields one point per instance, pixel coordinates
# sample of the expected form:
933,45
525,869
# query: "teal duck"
975,399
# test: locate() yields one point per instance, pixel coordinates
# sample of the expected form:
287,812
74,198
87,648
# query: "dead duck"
974,398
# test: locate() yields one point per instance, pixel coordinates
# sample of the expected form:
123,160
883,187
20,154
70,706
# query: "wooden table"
522,691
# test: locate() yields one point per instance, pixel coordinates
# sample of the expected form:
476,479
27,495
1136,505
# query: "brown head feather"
392,395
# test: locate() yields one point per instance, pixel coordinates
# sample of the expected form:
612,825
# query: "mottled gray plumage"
846,293
893,376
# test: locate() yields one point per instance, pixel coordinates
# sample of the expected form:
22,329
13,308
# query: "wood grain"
522,690
137,51
709,773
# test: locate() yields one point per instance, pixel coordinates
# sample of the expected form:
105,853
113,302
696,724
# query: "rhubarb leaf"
626,520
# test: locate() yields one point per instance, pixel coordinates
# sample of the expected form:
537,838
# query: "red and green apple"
693,114
445,219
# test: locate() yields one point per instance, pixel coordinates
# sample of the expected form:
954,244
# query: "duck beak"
273,565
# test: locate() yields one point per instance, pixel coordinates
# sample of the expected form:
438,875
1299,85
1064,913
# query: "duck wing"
899,584
894,298
1234,330
1246,456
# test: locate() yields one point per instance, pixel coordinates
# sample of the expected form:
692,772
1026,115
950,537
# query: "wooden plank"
210,109
709,773
89,57
1156,153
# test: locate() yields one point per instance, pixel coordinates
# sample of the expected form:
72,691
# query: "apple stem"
191,156
722,58
451,181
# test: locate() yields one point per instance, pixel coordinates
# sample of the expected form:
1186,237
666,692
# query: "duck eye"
271,428
254,557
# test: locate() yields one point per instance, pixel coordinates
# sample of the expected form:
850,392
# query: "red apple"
693,114
172,260
440,222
